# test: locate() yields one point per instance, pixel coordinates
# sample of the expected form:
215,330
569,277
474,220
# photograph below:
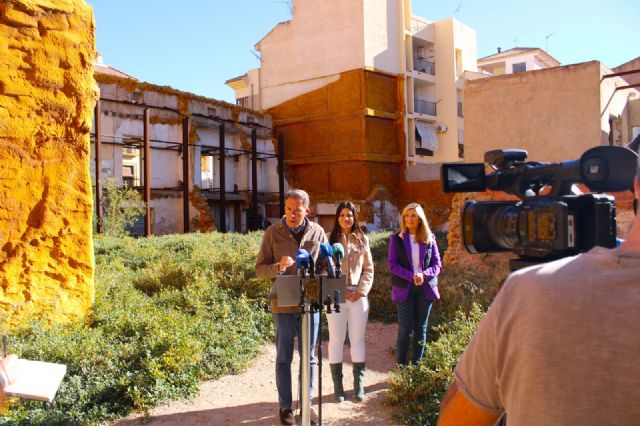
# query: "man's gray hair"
299,194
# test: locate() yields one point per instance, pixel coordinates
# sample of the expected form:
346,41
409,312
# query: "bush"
415,392
122,207
169,312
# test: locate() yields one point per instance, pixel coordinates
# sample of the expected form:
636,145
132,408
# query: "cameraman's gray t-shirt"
560,345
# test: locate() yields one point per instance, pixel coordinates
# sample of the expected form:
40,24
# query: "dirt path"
250,398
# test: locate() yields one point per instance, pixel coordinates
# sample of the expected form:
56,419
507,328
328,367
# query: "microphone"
326,254
302,261
338,253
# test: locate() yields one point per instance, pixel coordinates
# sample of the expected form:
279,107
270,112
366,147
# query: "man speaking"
558,346
277,252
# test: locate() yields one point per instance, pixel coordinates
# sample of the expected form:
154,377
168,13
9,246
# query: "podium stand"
291,291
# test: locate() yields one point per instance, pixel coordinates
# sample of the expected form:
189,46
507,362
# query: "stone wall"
47,93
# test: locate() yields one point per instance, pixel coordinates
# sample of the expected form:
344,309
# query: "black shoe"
287,417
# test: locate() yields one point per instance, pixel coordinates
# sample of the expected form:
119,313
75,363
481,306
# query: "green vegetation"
172,311
169,312
415,392
122,207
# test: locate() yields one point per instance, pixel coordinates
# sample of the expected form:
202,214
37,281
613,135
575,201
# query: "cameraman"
558,346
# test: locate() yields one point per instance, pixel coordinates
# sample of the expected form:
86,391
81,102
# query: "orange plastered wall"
47,94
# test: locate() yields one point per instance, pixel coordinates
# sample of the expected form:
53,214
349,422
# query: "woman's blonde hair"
423,234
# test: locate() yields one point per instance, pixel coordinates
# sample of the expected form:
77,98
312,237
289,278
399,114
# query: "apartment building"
518,59
220,138
369,99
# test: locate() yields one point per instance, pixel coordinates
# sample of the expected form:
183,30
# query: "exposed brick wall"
47,93
346,141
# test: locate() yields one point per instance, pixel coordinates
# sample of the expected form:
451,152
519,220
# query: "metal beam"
281,171
185,173
98,145
147,173
223,182
254,180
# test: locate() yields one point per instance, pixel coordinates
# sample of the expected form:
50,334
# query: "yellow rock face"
47,94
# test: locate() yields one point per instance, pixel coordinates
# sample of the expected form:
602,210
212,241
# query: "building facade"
369,99
121,115
518,59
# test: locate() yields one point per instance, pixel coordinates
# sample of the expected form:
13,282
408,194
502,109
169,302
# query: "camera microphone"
338,253
302,261
326,254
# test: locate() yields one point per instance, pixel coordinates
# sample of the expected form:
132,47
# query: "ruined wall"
47,93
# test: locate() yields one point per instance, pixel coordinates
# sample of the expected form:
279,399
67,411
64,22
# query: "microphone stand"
305,361
307,309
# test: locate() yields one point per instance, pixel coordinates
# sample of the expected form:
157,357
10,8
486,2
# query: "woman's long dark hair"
334,237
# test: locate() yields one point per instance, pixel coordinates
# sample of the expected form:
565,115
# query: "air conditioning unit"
441,127
422,53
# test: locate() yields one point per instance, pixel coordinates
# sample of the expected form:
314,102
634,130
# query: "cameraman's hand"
418,278
285,262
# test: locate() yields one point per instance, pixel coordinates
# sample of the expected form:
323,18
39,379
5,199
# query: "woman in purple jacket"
414,263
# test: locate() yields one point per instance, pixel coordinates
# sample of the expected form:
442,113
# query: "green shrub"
122,207
415,392
169,312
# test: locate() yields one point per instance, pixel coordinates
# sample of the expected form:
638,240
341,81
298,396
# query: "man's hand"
418,278
285,262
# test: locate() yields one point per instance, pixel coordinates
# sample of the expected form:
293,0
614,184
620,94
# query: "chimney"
499,49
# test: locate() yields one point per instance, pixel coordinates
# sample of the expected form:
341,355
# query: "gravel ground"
250,398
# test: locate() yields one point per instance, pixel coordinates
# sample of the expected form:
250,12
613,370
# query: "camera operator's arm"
457,410
392,261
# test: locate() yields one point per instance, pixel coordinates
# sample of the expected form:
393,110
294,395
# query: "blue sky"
196,45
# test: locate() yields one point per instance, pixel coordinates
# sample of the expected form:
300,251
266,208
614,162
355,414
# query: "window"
136,96
243,102
426,139
519,67
128,176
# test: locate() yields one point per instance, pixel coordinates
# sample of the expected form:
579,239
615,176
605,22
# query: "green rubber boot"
358,380
336,375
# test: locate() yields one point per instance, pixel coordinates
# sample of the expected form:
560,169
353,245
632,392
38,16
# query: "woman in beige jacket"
357,266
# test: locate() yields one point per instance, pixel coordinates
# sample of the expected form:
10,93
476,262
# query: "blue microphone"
326,254
302,261
338,254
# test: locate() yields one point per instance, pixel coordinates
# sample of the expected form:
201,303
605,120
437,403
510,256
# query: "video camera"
554,219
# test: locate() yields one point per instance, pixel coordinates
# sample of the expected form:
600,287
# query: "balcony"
425,107
424,66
